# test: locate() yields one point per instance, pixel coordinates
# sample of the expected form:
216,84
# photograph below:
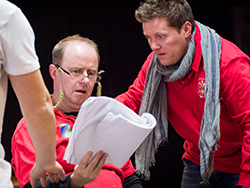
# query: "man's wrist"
72,182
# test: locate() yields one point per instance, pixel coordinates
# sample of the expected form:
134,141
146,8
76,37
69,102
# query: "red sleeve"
132,97
23,153
128,169
235,95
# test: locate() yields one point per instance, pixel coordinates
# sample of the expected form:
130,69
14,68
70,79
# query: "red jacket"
23,153
186,105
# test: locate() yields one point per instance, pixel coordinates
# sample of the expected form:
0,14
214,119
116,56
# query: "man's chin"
79,101
165,63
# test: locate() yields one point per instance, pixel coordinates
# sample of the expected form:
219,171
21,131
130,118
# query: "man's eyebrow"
76,68
82,68
92,69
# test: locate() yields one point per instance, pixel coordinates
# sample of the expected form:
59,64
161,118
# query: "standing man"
74,72
19,62
200,82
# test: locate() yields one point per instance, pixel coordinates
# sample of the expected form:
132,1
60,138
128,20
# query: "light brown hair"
176,12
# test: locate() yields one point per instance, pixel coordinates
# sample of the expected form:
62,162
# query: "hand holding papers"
106,124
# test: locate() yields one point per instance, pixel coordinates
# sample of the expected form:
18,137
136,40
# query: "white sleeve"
17,40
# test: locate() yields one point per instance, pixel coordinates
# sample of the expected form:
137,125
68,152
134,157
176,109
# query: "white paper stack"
106,124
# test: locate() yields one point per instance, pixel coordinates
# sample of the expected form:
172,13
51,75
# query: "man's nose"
84,79
154,45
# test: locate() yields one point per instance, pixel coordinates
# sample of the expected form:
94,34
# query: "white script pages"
106,124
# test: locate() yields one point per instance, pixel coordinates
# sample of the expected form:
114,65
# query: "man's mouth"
160,54
80,91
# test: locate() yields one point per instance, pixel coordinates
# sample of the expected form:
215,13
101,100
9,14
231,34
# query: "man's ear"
187,29
53,71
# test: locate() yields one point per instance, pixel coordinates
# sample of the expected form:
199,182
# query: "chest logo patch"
201,87
65,129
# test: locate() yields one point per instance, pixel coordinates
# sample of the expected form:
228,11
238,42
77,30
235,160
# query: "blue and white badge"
66,130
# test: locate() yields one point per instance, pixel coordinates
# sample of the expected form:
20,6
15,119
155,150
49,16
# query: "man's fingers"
101,162
43,182
84,161
95,164
57,174
52,177
39,171
60,177
33,183
97,161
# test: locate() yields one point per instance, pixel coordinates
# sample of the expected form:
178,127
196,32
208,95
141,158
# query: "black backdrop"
123,49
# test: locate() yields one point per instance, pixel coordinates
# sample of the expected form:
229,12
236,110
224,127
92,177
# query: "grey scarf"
154,100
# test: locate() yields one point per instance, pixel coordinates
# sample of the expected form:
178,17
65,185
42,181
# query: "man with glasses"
74,72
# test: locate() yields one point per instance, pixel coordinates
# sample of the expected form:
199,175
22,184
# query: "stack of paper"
106,124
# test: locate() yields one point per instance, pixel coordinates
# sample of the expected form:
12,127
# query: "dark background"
123,49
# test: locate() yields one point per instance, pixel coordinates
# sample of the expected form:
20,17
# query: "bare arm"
36,107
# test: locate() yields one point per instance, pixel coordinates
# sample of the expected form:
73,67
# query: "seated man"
74,72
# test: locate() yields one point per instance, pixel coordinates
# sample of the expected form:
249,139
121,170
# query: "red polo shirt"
23,153
186,105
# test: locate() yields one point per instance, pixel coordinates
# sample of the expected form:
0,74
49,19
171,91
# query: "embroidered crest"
65,129
201,87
